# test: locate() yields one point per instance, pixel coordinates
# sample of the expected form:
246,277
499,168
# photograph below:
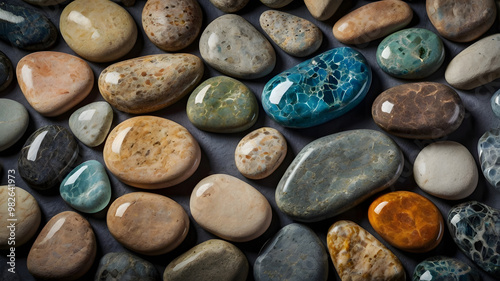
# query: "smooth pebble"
322,9
6,71
488,149
14,120
91,123
276,3
229,6
440,268
495,103
119,266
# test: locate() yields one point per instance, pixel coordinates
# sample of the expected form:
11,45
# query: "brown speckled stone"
424,110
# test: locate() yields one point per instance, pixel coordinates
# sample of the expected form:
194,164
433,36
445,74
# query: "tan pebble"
322,9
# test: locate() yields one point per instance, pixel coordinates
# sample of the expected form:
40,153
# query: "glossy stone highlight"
6,71
317,90
125,266
495,103
14,120
91,123
488,148
440,268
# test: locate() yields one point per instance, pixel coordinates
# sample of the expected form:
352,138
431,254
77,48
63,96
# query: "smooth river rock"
14,120
123,266
213,259
488,149
440,268
6,71
423,110
365,162
233,46
151,152
54,82
318,90
230,208
65,249
276,3
150,83
229,6
295,253
495,103
91,123
222,105
147,223
322,9
357,255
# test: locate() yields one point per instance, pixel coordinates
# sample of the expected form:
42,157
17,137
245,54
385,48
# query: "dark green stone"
441,268
125,267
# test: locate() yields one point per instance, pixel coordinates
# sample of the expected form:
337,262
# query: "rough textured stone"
91,123
229,6
442,268
322,9
495,103
365,162
125,267
6,71
488,149
276,3
424,110
14,120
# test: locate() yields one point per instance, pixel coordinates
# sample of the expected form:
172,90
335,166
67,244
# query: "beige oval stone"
54,82
26,214
65,249
230,208
150,83
322,9
147,223
372,21
98,30
151,152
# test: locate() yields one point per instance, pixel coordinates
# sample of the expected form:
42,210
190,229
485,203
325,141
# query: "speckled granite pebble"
276,3
488,149
322,9
440,268
91,123
124,266
229,6
6,71
14,120
495,103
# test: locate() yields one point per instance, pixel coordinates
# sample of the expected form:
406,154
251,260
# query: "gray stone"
488,149
125,267
276,3
14,121
229,6
91,123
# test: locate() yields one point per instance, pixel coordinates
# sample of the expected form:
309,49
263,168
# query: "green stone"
14,121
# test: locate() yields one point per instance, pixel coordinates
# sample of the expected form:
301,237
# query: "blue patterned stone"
442,268
87,188
488,148
6,71
318,90
495,103
125,267
475,228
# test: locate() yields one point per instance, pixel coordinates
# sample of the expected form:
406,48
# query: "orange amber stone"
407,221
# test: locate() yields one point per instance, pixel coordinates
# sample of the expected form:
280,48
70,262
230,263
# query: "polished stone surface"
423,110
276,3
322,9
295,253
495,103
123,266
488,149
229,6
91,123
222,105
365,162
6,71
318,90
14,120
440,268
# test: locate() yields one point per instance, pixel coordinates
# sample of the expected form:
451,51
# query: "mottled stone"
260,153
222,105
446,169
365,162
231,45
461,20
65,249
294,35
295,253
91,123
125,266
372,21
86,188
357,255
230,208
495,103
25,217
150,83
98,30
318,90
475,227
47,157
26,28
211,260
44,2
276,3
14,120
488,149
54,82
442,268
229,6
424,110
322,9
481,61
172,25
6,71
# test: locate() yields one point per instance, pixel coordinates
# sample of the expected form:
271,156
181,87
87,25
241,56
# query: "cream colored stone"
322,9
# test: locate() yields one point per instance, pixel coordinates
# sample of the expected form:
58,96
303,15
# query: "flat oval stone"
222,105
65,249
211,260
446,169
276,3
357,255
172,25
6,71
322,9
230,208
461,20
423,110
147,223
481,59
151,152
365,162
372,21
14,120
47,157
27,216
294,253
488,147
54,82
495,103
260,153
318,90
407,221
125,266
98,30
231,45
474,228
91,123
442,268
86,188
150,83
294,35
229,6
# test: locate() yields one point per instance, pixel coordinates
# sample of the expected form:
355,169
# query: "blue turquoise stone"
442,268
488,148
412,53
26,28
475,228
6,71
495,103
87,188
295,253
125,267
318,90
